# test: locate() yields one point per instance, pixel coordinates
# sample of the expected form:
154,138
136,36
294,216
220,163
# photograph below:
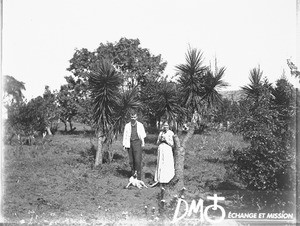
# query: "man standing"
133,141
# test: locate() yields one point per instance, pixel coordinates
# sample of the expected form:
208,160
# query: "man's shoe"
153,185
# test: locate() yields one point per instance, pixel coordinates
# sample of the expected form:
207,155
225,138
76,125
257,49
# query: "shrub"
268,163
25,118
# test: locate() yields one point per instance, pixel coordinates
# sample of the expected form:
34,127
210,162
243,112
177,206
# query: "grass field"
56,182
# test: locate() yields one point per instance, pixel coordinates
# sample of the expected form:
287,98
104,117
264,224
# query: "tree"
293,68
135,65
268,161
38,115
13,88
68,107
104,84
162,102
128,100
111,104
198,87
257,85
13,101
190,79
211,82
50,109
26,118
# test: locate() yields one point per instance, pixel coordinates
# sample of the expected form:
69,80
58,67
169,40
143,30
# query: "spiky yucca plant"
198,88
257,84
168,103
111,104
211,82
190,78
104,83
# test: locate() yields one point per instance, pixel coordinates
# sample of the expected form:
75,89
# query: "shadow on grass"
149,176
227,185
151,151
218,160
123,172
221,185
186,167
85,133
89,154
118,156
151,163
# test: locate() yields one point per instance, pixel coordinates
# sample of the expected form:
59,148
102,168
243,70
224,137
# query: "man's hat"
166,124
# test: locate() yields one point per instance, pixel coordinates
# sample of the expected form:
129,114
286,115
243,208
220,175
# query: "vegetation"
268,162
252,137
13,90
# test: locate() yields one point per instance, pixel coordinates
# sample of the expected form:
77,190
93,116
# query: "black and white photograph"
148,112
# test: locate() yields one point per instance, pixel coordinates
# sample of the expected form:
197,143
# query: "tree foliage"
13,88
68,105
198,84
267,124
38,115
104,85
162,102
110,104
211,82
27,118
50,110
294,69
135,65
190,79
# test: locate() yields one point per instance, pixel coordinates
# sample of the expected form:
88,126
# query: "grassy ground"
56,182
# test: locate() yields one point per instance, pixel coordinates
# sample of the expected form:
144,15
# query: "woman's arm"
169,138
159,138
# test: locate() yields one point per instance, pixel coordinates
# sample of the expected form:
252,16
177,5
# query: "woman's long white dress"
165,170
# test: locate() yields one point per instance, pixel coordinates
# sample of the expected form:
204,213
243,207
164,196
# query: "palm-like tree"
211,82
111,104
127,100
104,83
198,86
190,78
253,90
258,86
168,103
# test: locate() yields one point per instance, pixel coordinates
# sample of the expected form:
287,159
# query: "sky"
40,36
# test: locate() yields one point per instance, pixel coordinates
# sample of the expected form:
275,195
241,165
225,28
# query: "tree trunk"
71,126
179,162
66,126
180,149
106,153
99,154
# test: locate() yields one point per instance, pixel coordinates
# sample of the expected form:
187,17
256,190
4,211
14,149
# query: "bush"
268,163
25,119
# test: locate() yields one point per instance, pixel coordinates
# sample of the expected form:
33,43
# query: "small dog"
135,182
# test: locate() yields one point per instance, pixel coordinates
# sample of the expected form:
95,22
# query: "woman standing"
165,170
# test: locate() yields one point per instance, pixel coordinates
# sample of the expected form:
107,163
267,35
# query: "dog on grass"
135,182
